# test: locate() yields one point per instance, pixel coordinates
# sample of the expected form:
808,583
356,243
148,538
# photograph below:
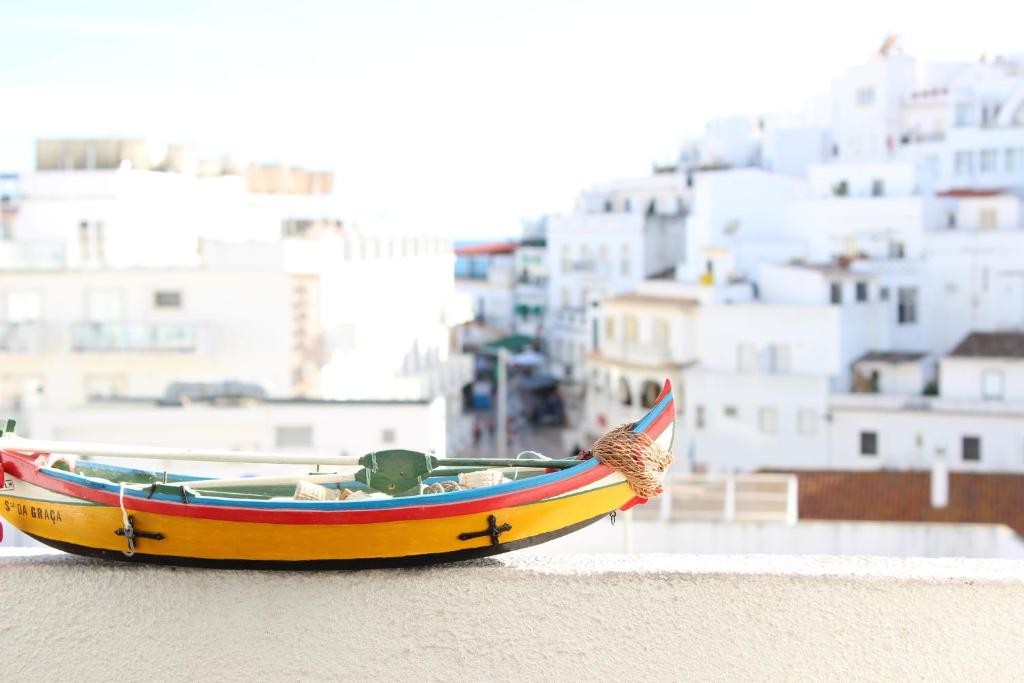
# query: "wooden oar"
13,442
242,482
313,477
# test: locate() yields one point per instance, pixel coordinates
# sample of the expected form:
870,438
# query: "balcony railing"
135,337
20,337
728,498
636,354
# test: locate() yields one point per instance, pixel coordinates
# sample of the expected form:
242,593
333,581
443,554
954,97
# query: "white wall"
742,209
806,537
338,428
735,436
912,434
973,281
241,320
904,379
148,218
810,333
524,618
870,130
963,377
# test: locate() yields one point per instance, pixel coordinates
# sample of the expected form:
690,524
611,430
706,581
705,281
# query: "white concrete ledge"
523,616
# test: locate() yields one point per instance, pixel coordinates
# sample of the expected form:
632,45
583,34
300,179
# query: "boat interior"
326,484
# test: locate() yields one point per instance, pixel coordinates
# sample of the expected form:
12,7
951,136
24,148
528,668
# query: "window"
624,266
987,218
987,161
768,420
746,358
963,163
971,449
649,393
862,291
566,297
865,96
806,422
883,293
625,395
166,299
964,114
627,205
609,328
836,293
869,443
778,358
294,436
1014,159
698,417
897,249
992,384
104,386
83,240
906,308
23,306
951,220
631,328
387,435
877,188
730,412
602,253
100,245
566,260
608,207
661,332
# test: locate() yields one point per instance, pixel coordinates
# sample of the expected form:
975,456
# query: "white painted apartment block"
740,212
118,282
531,287
833,302
638,341
486,273
346,428
617,235
872,209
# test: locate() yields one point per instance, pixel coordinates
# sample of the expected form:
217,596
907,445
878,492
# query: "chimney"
940,479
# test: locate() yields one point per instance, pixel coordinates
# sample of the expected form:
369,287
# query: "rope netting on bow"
640,459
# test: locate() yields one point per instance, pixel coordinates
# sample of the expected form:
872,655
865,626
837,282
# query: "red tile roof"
891,357
991,345
905,496
488,248
967,192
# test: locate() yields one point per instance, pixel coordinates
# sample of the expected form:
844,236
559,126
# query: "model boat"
386,509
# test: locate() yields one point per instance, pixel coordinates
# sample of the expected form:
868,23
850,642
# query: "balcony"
590,616
646,355
727,498
21,337
135,337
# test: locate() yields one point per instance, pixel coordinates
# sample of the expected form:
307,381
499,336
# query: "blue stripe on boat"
656,412
409,501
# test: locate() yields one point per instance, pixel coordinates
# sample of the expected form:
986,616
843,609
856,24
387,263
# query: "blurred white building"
617,235
117,282
843,269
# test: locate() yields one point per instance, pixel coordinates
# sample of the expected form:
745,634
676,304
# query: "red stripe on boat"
30,473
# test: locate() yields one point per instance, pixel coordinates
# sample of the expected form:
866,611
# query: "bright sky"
453,116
